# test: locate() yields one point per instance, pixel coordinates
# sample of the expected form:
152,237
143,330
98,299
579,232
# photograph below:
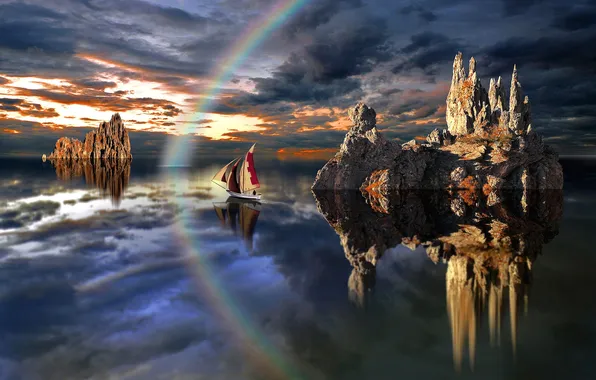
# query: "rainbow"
178,154
177,151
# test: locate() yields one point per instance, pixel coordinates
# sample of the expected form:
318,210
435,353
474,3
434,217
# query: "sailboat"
240,183
240,215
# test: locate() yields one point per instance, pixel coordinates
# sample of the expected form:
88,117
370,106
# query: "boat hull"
256,197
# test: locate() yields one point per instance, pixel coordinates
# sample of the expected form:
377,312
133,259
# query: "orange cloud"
433,121
178,83
13,131
307,154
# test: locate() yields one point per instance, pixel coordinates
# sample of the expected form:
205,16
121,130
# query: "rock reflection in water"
109,176
488,251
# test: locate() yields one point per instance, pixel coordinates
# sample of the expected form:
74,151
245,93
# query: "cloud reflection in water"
89,289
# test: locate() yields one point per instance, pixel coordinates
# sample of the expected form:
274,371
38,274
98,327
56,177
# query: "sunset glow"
309,154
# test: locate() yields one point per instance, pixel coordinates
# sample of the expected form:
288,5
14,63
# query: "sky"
67,65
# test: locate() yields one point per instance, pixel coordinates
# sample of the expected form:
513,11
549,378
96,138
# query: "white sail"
221,175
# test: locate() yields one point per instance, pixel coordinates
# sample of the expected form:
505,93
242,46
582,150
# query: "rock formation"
109,141
488,250
363,150
468,108
489,147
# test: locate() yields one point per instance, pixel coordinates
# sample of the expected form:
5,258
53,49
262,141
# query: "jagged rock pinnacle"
109,141
473,110
468,108
472,66
363,117
518,117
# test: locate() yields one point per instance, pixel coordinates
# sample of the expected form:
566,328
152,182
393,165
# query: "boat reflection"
488,251
110,177
239,215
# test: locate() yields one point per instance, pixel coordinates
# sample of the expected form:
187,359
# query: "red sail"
248,177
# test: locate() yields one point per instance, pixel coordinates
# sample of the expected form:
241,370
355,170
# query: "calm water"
121,273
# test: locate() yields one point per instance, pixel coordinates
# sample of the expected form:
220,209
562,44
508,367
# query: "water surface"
137,272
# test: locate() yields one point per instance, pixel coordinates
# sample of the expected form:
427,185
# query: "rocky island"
103,158
489,147
109,141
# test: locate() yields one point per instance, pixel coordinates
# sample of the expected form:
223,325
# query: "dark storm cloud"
37,38
95,84
316,14
25,26
348,52
427,51
26,109
419,11
167,16
577,18
516,7
8,107
323,69
557,73
10,101
558,51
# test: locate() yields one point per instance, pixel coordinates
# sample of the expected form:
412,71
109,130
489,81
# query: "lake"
135,271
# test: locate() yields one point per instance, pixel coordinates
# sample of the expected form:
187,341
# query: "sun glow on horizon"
144,103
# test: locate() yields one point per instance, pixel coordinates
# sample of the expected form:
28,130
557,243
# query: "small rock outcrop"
362,150
109,141
489,147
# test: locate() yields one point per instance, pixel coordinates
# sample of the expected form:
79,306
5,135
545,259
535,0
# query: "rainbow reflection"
178,153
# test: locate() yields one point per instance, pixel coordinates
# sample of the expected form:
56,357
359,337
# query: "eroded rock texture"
363,150
109,141
489,147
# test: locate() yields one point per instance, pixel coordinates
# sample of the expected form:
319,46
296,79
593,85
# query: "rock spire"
109,141
471,110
